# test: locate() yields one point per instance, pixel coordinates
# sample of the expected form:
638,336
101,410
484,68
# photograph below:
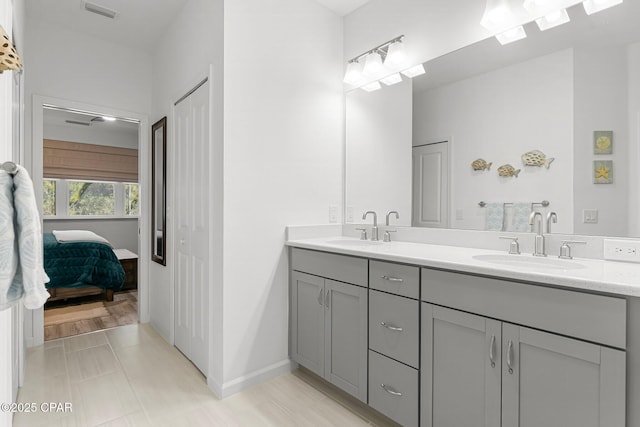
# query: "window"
64,198
131,198
91,198
49,197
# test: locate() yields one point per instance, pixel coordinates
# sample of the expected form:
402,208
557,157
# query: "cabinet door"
346,337
460,370
554,381
307,321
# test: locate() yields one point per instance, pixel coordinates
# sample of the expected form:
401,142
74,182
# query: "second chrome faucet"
374,229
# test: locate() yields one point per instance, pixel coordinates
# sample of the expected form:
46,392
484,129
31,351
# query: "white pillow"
78,236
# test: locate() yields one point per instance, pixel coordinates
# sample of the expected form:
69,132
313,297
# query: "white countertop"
609,277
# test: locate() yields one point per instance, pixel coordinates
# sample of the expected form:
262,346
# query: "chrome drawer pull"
510,357
392,279
390,390
391,328
492,351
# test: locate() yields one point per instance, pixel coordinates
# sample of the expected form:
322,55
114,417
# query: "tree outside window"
91,198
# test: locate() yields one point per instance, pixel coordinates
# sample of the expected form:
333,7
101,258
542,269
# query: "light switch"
349,213
590,216
333,214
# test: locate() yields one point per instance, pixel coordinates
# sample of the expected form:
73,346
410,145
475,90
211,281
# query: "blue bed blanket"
74,264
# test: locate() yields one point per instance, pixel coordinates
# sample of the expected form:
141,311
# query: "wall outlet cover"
333,214
622,250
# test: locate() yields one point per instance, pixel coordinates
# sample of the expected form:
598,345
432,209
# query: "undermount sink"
344,242
529,261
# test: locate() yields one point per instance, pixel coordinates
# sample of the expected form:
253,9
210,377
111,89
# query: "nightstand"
129,262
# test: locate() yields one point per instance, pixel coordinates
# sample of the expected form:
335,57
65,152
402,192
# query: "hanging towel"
10,292
520,217
29,279
494,216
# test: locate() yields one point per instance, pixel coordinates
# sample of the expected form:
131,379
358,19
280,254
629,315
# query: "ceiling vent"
100,10
75,122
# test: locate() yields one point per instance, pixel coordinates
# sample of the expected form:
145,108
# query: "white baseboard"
241,383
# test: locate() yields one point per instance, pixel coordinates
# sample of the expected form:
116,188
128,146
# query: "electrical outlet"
350,214
333,214
590,216
622,250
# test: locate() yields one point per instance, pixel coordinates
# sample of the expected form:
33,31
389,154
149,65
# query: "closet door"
192,226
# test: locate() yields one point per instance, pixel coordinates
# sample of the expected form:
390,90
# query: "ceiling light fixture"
373,66
353,76
593,6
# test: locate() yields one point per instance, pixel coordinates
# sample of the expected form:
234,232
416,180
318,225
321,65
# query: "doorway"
431,185
48,114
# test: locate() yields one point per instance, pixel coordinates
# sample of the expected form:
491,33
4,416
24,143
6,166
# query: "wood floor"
90,314
130,376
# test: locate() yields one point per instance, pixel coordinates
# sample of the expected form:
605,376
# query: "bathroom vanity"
435,335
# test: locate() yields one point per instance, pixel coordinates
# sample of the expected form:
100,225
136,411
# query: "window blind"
72,160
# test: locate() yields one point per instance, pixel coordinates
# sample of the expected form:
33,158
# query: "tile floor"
129,376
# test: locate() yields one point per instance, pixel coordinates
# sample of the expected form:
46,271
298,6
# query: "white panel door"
192,226
430,198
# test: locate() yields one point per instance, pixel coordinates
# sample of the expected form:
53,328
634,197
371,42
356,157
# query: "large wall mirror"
159,192
549,92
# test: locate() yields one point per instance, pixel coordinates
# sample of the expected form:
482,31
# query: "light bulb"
353,76
373,65
395,55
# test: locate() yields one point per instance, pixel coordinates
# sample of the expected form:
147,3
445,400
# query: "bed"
81,267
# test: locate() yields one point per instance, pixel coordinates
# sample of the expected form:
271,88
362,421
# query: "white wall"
197,33
91,135
87,69
284,124
498,116
601,103
378,156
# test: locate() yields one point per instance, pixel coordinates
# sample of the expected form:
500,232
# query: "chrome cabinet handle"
390,390
326,298
492,351
391,328
320,296
392,279
510,357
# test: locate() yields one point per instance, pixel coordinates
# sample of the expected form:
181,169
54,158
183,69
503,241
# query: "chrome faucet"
392,212
539,243
551,216
374,230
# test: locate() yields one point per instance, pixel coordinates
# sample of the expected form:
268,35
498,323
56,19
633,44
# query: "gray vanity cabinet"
461,369
329,325
475,368
556,381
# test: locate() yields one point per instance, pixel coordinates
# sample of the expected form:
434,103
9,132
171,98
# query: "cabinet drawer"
393,389
589,317
395,278
342,268
387,314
